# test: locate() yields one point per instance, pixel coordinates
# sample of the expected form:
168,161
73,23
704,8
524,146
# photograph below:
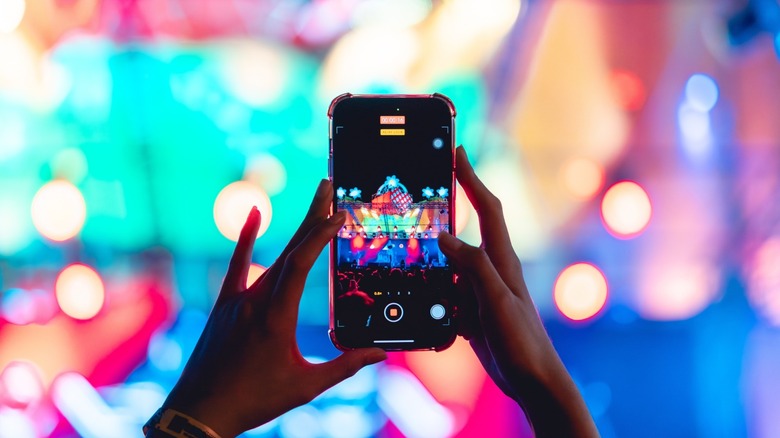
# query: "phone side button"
394,312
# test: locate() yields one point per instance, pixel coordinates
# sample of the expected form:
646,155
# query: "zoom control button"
437,311
394,312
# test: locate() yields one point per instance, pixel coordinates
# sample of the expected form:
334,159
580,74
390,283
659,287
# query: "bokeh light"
697,140
21,384
670,289
580,291
266,171
463,209
233,204
396,13
693,117
255,271
701,92
58,210
453,376
626,209
86,409
474,21
343,421
32,78
16,424
21,306
254,73
411,407
369,57
582,177
164,352
694,124
764,280
301,422
18,306
80,292
70,164
630,90
11,14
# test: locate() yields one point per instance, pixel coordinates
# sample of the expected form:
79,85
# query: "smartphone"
392,165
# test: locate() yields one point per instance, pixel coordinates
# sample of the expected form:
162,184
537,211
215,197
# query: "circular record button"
394,312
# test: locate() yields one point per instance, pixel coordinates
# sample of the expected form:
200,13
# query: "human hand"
246,368
499,319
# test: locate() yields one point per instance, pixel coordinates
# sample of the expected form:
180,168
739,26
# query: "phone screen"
392,171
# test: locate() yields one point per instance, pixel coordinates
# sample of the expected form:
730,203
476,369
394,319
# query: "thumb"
450,245
341,368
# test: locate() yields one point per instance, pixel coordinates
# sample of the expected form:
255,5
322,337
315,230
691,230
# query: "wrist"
206,409
554,405
170,423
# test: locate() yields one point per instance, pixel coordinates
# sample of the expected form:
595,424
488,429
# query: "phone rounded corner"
448,344
336,100
447,101
335,341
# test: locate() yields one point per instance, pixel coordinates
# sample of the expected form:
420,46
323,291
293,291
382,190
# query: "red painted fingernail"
254,213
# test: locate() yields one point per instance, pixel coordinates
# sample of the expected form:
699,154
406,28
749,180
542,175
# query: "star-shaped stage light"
427,193
443,192
340,192
355,192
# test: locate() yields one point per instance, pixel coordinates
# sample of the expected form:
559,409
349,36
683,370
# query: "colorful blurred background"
635,145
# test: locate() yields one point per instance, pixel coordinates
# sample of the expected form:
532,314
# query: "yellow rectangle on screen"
392,132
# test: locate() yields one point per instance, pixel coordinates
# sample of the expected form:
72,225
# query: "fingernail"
465,155
448,243
321,188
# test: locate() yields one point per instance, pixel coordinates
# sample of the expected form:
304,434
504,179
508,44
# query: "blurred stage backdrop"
635,145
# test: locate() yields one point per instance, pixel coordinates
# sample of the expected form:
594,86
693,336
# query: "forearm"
555,408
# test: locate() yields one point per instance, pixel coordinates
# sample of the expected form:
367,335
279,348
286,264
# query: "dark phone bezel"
331,247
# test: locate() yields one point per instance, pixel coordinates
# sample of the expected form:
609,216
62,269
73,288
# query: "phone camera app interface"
392,174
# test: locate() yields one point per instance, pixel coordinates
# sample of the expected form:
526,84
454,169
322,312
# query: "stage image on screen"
388,248
392,229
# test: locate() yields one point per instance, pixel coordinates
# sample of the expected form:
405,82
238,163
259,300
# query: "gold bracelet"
178,425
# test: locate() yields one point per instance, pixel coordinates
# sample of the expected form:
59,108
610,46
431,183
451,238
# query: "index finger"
492,226
238,269
292,278
318,211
